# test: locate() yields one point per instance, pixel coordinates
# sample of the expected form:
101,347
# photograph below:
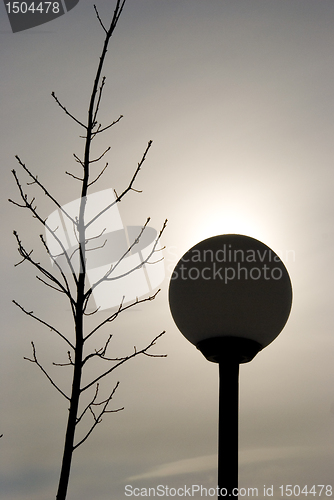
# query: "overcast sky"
237,96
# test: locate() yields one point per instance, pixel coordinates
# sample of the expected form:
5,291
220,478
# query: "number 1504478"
316,490
32,7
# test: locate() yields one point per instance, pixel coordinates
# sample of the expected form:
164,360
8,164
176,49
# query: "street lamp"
230,296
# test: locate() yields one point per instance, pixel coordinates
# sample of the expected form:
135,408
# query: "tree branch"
112,268
64,109
31,314
70,363
120,309
107,127
69,295
123,360
45,373
99,98
102,155
27,256
98,16
46,192
119,198
50,286
29,205
87,407
98,418
97,178
74,176
145,261
77,159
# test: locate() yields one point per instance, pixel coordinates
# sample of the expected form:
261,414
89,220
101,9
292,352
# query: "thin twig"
74,176
106,276
99,130
120,309
31,313
98,418
98,100
50,286
112,268
98,16
29,205
45,373
97,178
65,364
87,407
101,156
135,353
67,286
77,159
67,112
119,198
27,256
46,192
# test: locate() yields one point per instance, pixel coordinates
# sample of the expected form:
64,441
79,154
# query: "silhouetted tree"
74,285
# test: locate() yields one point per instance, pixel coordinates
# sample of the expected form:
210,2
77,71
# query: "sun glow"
233,222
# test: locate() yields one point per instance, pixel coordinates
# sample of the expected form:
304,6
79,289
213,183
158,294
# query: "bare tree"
73,282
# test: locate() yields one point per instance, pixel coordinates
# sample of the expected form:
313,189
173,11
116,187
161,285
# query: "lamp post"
230,296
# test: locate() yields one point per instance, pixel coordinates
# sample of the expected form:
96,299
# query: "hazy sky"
237,96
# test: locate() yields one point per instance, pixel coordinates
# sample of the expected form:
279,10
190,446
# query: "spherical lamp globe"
230,295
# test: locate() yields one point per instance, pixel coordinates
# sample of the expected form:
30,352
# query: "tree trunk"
69,439
75,396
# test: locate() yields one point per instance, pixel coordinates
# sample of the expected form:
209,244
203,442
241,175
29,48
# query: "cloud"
209,462
197,464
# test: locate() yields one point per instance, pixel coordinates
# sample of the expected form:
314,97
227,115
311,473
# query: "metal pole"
228,428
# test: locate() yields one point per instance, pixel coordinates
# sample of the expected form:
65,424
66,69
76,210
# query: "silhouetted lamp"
230,296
